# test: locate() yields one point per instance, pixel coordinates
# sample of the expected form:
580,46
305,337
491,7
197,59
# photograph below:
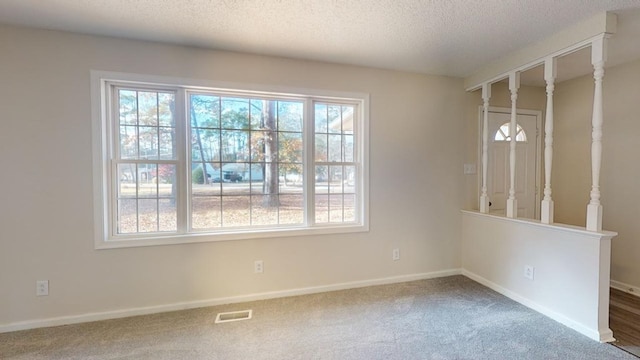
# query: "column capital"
550,69
599,51
514,81
486,92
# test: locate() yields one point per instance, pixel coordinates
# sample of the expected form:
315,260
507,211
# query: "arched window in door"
503,133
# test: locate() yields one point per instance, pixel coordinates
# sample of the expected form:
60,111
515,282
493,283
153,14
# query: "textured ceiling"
444,37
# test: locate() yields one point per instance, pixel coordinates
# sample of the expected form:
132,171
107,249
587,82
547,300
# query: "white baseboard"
629,289
74,319
595,334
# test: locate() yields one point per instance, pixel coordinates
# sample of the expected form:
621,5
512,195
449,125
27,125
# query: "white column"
484,198
594,209
550,69
512,202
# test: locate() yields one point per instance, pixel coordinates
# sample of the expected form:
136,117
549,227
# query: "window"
503,133
177,162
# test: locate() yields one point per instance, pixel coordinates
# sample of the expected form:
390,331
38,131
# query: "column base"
484,204
546,212
512,208
594,217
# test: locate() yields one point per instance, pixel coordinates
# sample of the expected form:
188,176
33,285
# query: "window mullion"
113,139
182,180
308,166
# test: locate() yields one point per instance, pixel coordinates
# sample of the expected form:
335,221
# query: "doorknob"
489,203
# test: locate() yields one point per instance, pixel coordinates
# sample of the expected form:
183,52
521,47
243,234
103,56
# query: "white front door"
498,174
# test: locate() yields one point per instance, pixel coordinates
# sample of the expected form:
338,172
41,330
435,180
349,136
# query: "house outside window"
179,162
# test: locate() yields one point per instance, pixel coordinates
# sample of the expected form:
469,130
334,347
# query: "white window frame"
102,128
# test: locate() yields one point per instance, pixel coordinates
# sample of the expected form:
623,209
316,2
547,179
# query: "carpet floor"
445,318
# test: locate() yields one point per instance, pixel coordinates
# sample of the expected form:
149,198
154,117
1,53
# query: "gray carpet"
446,318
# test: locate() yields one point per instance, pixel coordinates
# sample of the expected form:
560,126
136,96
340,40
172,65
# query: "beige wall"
529,98
620,166
46,223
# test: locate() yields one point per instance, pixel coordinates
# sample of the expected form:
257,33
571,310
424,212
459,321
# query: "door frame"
539,154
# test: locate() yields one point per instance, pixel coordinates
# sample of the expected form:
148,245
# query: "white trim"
629,289
102,183
598,335
604,234
115,314
536,62
263,233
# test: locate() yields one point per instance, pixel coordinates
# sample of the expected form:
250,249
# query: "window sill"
155,239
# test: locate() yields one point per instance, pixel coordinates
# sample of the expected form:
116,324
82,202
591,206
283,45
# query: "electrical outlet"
396,254
258,267
42,287
529,271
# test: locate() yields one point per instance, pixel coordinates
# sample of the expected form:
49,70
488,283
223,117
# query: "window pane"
212,189
335,208
207,173
128,107
236,211
235,187
235,173
321,148
206,212
322,179
255,111
348,148
205,111
334,119
167,143
127,216
128,142
255,173
349,203
335,148
320,118
504,133
257,187
168,215
148,215
262,213
347,119
148,108
147,186
290,178
349,180
166,104
257,146
290,147
166,179
335,179
148,138
322,208
127,180
235,113
291,209
205,144
146,173
289,116
235,146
